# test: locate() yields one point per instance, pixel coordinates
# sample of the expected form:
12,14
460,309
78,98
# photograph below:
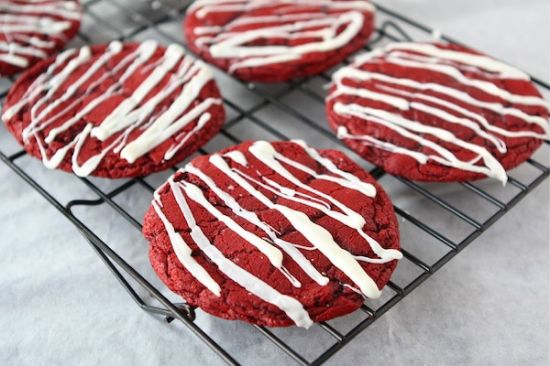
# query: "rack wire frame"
132,280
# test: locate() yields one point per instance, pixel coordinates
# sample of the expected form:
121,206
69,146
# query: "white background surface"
488,306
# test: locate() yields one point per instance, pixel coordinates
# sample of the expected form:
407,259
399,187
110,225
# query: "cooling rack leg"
186,310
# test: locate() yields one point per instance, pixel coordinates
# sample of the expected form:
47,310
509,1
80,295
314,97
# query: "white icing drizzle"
343,133
454,72
183,252
236,176
120,116
315,234
354,73
265,152
292,307
228,42
356,183
47,20
133,113
254,219
237,157
395,93
273,254
404,127
482,62
203,120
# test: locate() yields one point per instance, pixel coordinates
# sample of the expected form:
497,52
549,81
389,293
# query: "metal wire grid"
135,19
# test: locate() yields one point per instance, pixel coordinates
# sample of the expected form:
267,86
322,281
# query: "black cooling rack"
301,103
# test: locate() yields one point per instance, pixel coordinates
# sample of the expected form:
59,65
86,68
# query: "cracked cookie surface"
251,203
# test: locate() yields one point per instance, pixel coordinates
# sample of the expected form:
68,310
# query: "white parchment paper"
488,306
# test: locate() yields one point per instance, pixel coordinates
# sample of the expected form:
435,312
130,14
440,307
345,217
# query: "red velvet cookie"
278,40
437,112
32,30
273,234
117,110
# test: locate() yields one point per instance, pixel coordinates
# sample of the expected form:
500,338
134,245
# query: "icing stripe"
467,113
144,55
265,152
454,72
292,307
237,157
354,73
254,219
168,123
228,42
348,180
482,62
118,119
328,245
47,19
273,254
133,113
183,252
38,86
404,127
343,133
